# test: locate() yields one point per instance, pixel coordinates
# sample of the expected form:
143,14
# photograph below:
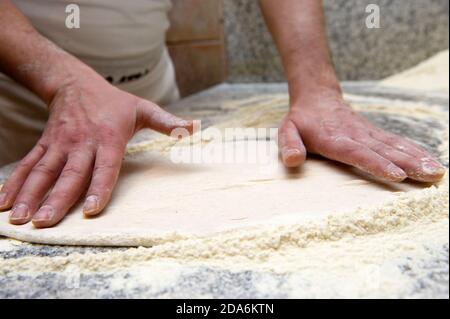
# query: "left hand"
326,125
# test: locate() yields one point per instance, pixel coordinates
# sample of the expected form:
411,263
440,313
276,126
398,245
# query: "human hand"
82,147
326,125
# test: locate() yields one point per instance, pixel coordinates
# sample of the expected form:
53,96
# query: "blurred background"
215,41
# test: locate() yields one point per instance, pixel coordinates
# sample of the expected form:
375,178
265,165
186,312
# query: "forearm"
33,60
298,28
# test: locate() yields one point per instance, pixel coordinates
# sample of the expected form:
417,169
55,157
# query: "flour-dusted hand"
324,124
90,122
82,147
319,120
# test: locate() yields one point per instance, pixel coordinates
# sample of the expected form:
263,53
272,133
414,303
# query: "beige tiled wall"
196,44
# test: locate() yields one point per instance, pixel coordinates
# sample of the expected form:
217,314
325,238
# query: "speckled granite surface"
428,278
411,31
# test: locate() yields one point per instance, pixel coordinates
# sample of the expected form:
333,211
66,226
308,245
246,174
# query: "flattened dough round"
157,201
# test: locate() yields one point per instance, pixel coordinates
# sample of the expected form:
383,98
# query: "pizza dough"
157,200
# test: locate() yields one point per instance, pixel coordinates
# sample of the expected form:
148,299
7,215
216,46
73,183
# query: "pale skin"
319,120
90,121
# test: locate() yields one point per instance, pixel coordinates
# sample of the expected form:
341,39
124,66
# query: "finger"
106,171
429,166
348,151
36,186
152,116
12,186
68,188
400,143
412,166
293,152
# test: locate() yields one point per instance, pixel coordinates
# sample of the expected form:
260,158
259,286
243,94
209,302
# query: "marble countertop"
431,281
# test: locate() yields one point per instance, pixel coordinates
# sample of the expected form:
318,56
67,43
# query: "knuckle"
110,137
107,132
330,127
106,167
378,146
341,146
41,146
335,141
28,162
77,137
12,185
392,138
73,171
70,134
25,164
45,169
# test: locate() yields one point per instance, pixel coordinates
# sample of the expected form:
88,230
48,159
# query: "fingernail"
3,202
91,204
291,152
292,157
432,167
19,212
45,213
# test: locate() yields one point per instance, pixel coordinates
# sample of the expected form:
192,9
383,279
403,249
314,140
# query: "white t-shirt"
122,40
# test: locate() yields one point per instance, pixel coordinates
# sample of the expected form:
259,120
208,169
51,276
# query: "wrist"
313,86
315,95
66,72
51,69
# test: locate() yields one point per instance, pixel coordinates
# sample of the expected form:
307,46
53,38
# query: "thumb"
150,115
290,144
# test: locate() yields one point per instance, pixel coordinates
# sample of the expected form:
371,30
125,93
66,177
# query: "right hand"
325,124
81,148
